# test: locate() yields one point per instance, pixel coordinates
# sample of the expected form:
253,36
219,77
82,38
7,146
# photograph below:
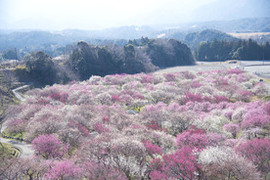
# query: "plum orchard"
146,126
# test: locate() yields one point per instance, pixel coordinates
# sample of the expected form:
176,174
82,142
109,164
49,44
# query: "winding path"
25,149
19,95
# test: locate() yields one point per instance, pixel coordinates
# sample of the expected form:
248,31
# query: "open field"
260,68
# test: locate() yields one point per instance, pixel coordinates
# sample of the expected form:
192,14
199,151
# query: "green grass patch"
266,98
255,98
267,80
8,150
71,151
238,135
21,135
136,108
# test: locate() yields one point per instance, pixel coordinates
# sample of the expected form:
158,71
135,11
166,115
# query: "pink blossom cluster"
181,125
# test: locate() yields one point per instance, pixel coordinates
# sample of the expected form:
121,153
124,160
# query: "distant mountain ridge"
221,10
54,43
195,38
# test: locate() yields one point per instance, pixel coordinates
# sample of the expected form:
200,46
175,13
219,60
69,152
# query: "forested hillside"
56,43
195,38
87,60
52,43
225,50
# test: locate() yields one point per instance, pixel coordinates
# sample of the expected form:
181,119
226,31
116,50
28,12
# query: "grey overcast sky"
93,14
98,14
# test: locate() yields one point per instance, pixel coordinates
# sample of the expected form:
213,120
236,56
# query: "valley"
135,90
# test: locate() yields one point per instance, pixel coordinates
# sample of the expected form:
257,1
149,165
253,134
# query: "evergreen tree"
266,51
41,68
224,50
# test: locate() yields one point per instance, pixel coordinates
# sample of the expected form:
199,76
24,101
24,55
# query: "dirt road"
24,148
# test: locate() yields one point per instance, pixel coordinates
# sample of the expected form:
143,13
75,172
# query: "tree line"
226,50
144,55
86,60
